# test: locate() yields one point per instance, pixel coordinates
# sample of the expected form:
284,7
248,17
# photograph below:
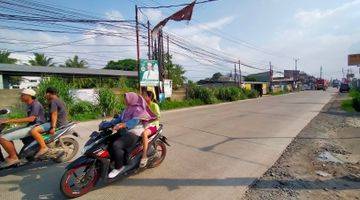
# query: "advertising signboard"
149,73
354,59
168,88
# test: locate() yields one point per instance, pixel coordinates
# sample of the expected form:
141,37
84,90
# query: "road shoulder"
322,162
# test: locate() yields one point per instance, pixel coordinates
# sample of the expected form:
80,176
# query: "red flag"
183,14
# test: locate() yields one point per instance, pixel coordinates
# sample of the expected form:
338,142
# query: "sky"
256,32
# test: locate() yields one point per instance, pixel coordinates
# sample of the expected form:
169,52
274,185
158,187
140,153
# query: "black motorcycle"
93,167
63,145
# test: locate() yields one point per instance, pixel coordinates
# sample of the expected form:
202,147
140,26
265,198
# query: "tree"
125,64
216,76
5,58
75,63
41,60
174,72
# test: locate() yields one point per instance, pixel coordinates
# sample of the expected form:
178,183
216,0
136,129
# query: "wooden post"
149,40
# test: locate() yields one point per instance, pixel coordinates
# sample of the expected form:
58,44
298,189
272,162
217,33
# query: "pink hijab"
137,108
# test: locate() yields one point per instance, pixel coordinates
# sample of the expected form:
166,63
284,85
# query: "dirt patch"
322,162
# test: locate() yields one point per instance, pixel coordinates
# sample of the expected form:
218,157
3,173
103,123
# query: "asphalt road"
216,152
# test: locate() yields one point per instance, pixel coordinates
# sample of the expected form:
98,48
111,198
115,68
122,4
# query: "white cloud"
114,15
153,15
307,18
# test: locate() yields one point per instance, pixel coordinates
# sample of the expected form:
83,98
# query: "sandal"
143,162
9,162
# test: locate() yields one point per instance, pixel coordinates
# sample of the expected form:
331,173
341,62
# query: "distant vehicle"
344,87
307,87
336,83
321,84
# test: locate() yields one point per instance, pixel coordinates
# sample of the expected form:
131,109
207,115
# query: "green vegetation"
347,105
168,105
75,63
352,104
219,94
41,60
125,64
5,57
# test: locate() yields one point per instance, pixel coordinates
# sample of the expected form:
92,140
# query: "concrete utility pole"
149,41
296,61
137,45
235,76
321,72
270,76
240,73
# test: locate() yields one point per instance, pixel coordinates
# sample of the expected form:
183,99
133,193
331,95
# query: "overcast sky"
319,33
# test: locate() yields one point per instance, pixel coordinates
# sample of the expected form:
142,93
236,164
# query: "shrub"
252,93
204,94
81,107
108,102
62,87
168,105
355,94
229,94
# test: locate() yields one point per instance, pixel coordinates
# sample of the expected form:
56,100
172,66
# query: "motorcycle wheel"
72,147
79,180
160,154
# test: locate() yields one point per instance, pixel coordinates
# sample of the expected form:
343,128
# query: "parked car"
344,87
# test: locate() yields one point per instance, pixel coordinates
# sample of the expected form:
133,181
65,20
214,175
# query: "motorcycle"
63,145
93,167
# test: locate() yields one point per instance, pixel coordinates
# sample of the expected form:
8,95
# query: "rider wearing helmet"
35,115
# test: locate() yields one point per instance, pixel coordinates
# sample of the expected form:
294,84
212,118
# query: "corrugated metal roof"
31,70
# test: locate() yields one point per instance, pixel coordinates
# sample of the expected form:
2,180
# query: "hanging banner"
168,88
149,73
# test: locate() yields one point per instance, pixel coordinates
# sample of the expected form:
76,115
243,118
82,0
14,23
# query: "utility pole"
321,72
137,46
167,54
240,76
296,61
270,76
149,41
235,75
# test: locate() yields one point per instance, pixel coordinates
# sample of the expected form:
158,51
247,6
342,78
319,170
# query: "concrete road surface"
216,152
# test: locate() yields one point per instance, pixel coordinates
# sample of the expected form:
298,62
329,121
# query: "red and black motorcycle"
93,167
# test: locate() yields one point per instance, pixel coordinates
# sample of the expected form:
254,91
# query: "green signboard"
149,73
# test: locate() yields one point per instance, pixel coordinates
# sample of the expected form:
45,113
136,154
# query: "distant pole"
149,40
296,61
137,45
168,54
321,72
235,75
270,76
240,73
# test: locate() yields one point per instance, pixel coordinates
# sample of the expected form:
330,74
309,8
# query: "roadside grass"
168,105
347,105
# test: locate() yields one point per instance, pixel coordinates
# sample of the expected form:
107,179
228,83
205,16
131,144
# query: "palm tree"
75,63
41,60
5,58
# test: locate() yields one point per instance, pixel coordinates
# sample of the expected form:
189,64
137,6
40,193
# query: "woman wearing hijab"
133,119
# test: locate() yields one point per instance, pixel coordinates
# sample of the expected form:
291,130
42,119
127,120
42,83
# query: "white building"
28,82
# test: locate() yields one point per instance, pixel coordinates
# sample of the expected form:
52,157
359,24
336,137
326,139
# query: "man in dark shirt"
58,118
35,115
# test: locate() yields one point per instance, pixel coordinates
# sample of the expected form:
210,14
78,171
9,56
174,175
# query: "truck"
321,84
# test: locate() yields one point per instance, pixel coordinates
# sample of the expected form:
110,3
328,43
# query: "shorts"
17,133
45,127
